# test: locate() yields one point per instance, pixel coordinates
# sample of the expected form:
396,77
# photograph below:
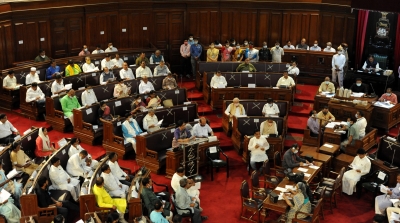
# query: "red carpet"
305,93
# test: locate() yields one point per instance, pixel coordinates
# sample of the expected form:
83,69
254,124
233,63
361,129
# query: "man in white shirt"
252,53
98,50
88,66
338,62
116,170
126,73
288,45
60,180
145,86
106,62
35,94
143,70
294,69
76,165
315,47
106,76
156,57
88,97
360,166
117,61
286,80
361,122
270,108
112,184
178,175
202,129
161,69
10,81
7,130
277,53
32,77
110,48
218,81
150,121
58,85
329,48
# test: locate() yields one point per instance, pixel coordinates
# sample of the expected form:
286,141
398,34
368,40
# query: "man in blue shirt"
195,52
156,215
52,70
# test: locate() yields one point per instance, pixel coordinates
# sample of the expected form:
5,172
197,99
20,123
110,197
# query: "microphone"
372,94
375,154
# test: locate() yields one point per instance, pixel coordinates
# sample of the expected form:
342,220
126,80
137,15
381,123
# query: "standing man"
195,52
302,45
42,56
185,58
84,51
315,47
263,53
277,53
338,62
345,53
68,103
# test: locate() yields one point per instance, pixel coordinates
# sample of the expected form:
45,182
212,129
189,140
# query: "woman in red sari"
43,145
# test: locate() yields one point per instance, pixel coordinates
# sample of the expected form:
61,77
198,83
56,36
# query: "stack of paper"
384,189
160,122
281,189
330,125
4,195
357,95
302,169
307,174
314,167
13,173
68,86
384,105
327,145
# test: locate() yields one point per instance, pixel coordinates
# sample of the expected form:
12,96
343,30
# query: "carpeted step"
203,108
301,109
296,124
224,140
194,95
305,93
393,132
292,138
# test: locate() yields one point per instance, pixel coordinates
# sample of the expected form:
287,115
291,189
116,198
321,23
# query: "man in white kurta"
218,81
286,80
150,122
338,63
202,129
294,69
143,70
88,97
111,183
76,165
60,180
77,148
145,86
258,146
32,77
361,166
270,108
116,170
178,175
126,72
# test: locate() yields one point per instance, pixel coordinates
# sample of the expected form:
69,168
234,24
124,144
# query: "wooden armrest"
87,126
126,170
334,174
59,114
118,139
151,154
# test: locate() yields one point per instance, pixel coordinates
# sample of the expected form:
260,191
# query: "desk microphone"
372,94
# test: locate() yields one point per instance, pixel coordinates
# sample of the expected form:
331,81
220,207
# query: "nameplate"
256,120
250,75
176,91
196,120
93,74
251,85
143,134
118,123
96,62
95,127
29,138
125,58
172,130
159,107
117,103
184,108
187,103
81,88
89,111
27,131
245,71
213,149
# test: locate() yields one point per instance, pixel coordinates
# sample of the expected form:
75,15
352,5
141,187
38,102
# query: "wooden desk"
320,101
313,151
310,61
385,118
281,205
333,151
378,165
342,111
332,137
343,160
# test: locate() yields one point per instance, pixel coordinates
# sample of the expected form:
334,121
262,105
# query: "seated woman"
258,146
181,134
43,145
268,127
383,201
104,113
153,101
77,148
137,105
299,202
10,211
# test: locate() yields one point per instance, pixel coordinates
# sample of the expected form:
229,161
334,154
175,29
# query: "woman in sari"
10,211
300,202
43,145
153,101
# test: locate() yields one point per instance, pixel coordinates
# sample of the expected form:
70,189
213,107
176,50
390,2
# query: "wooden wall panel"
326,30
161,27
263,28
193,19
44,36
75,36
176,34
275,30
338,28
215,26
204,28
124,36
314,29
59,38
227,26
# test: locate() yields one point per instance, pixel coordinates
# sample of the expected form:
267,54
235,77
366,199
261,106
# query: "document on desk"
327,145
383,104
281,189
330,125
290,187
314,167
357,94
302,169
307,174
394,200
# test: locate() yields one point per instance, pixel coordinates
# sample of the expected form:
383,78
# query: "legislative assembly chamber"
124,111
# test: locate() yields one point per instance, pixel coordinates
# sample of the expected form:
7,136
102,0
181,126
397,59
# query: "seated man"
106,76
178,175
68,103
218,81
359,87
88,97
7,131
22,162
142,58
11,186
161,69
98,50
77,166
68,209
327,86
313,124
153,101
150,121
383,201
143,70
126,72
325,116
270,108
269,127
41,57
361,122
202,129
234,109
52,71
88,66
111,48
371,65
302,45
246,66
72,69
389,97
106,62
35,94
169,82
293,69
315,47
60,180
258,146
121,90
183,201
84,51
360,166
32,77
156,215
291,159
117,61
116,170
286,80
353,134
288,45
130,129
77,148
156,58
57,86
10,82
104,200
112,184
329,48
145,86
150,198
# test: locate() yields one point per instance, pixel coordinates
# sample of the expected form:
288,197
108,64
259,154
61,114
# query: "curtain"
362,23
397,48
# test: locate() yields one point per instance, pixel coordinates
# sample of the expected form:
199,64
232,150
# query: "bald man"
202,129
156,58
327,86
234,109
